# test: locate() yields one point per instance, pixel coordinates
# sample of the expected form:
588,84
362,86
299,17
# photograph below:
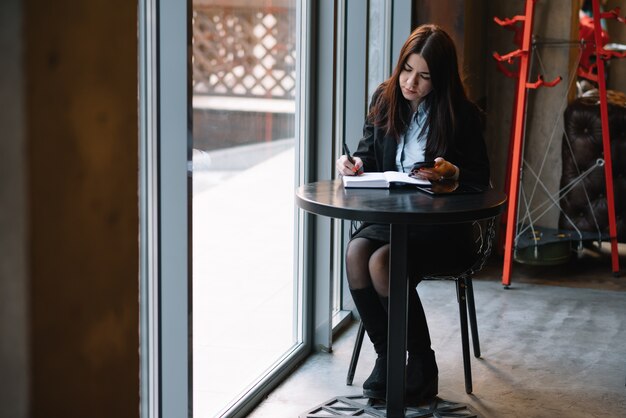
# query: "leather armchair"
586,204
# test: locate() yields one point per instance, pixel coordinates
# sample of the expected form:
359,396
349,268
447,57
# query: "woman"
421,113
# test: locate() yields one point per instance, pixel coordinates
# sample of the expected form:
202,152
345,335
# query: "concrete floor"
553,345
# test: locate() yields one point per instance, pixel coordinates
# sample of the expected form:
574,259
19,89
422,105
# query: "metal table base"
358,405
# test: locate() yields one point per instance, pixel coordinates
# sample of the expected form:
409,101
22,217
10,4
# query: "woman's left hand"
443,170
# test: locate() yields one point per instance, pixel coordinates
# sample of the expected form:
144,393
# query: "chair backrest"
484,233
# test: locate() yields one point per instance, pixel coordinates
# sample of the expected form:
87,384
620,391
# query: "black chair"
485,231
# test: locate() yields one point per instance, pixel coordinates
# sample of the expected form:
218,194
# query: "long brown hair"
392,111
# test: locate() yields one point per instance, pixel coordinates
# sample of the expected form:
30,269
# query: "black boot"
422,378
421,372
374,319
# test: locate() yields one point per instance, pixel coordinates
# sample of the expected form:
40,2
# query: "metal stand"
357,405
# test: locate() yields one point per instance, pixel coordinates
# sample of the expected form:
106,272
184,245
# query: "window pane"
244,303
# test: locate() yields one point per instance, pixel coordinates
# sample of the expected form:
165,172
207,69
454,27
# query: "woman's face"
415,80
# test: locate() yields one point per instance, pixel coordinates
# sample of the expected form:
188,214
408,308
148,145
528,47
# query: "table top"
403,205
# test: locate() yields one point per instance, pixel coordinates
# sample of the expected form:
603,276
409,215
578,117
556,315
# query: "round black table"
397,207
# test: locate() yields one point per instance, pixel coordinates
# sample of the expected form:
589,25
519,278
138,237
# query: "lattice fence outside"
244,52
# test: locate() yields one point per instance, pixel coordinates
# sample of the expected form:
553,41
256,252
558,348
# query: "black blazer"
467,151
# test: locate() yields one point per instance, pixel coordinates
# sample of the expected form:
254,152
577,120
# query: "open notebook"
384,180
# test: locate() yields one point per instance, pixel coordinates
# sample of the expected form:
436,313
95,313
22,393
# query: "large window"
246,305
221,241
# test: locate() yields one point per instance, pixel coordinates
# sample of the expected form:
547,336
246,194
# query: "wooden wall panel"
82,139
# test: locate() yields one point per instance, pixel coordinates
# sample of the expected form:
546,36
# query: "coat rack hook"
506,71
508,21
509,57
541,82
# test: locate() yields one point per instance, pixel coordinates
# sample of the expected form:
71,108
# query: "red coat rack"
516,145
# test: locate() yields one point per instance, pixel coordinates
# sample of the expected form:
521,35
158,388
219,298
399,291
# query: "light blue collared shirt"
412,143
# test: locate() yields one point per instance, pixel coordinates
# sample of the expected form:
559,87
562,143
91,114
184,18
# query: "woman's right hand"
346,168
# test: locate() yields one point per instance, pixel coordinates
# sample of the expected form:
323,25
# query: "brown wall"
80,62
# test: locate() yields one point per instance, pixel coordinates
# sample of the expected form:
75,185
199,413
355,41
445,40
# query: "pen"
347,152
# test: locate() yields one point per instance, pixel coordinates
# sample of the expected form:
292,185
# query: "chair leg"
467,366
355,353
471,309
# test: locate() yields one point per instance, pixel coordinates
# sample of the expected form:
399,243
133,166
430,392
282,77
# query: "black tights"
367,264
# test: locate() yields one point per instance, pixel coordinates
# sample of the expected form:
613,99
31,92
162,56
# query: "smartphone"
423,164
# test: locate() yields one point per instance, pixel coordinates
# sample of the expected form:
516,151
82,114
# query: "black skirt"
432,249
